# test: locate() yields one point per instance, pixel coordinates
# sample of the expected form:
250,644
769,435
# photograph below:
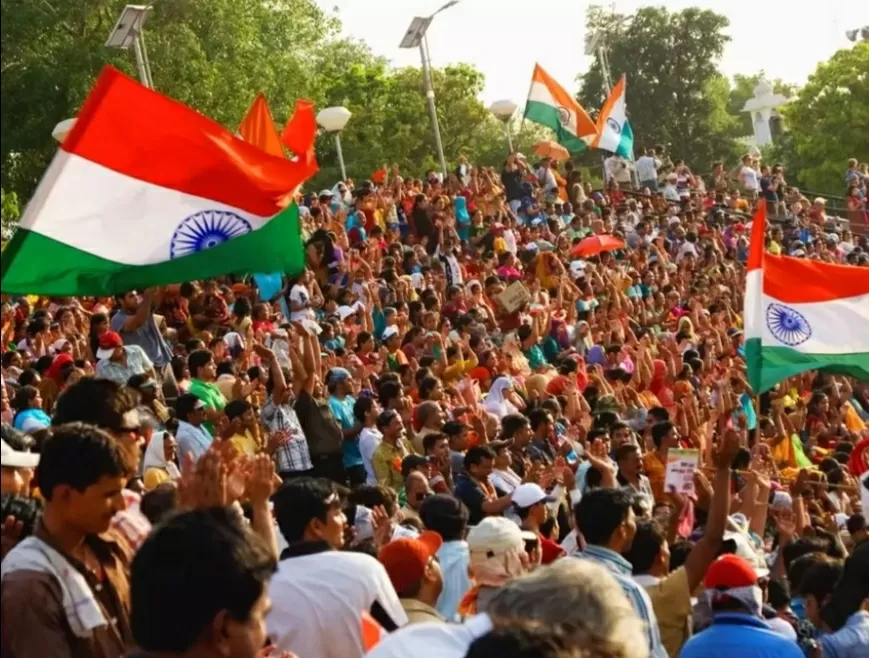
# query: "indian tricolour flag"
144,191
550,105
613,128
802,315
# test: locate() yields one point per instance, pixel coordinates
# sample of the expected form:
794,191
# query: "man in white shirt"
619,170
547,179
748,177
647,170
671,193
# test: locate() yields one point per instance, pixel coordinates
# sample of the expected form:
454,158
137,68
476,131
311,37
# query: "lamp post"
333,120
62,129
128,32
504,110
415,37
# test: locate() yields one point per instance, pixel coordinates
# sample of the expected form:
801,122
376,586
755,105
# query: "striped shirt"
294,456
620,568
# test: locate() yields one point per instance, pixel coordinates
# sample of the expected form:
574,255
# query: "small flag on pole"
613,128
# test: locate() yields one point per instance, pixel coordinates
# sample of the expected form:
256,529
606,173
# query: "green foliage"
215,55
828,120
9,213
676,96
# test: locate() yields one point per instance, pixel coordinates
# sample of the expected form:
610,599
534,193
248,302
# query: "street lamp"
504,110
128,32
415,37
333,120
62,129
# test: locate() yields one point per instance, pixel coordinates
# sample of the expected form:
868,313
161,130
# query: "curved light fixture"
62,129
503,109
333,119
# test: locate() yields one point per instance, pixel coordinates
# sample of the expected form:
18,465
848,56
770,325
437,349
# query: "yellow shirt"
154,477
245,443
671,601
386,462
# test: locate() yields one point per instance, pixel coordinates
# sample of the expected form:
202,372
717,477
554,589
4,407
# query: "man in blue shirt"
341,403
605,517
737,627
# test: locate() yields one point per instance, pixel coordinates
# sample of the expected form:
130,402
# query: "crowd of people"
448,436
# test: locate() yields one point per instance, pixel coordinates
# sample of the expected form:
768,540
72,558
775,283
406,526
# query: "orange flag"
258,127
300,131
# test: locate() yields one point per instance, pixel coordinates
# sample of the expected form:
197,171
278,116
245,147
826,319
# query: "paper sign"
514,296
681,465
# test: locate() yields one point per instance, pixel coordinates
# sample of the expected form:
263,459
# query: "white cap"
389,332
495,534
11,458
528,494
326,193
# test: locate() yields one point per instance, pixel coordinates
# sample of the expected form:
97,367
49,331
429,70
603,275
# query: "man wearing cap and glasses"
119,362
416,575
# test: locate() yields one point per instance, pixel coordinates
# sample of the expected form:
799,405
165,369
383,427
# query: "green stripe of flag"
767,366
45,266
547,115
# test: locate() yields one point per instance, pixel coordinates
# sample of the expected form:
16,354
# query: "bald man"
417,489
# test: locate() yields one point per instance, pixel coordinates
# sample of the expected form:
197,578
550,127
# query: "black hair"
659,414
225,367
741,459
429,441
800,547
625,450
445,515
476,455
300,501
600,512
197,360
236,408
362,406
79,455
374,495
158,503
211,562
855,523
426,386
646,546
512,423
778,594
536,417
660,430
100,402
184,405
16,439
820,579
387,391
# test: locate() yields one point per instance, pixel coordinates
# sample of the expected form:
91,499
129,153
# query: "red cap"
729,572
110,340
406,559
739,227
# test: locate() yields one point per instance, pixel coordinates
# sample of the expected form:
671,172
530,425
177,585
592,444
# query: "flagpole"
525,109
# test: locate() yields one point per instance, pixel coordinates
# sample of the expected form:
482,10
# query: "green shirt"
210,395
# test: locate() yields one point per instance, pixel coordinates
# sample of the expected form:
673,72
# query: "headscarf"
155,456
596,356
558,331
495,402
584,343
54,370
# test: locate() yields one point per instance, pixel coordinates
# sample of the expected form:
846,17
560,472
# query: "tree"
675,93
828,120
742,90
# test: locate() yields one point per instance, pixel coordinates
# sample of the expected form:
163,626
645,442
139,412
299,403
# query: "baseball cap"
325,193
495,535
730,572
12,458
406,559
528,494
389,332
109,341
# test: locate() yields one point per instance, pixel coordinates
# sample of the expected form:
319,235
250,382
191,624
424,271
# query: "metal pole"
430,99
140,63
147,62
340,156
507,132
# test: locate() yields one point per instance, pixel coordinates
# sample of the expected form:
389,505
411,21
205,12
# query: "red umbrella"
595,244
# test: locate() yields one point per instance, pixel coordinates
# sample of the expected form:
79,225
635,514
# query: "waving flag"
258,127
802,315
145,191
613,129
551,106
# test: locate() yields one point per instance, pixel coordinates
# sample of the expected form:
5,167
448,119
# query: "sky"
504,38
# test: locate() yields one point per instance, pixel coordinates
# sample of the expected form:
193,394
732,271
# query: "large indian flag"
145,191
614,131
802,315
550,105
